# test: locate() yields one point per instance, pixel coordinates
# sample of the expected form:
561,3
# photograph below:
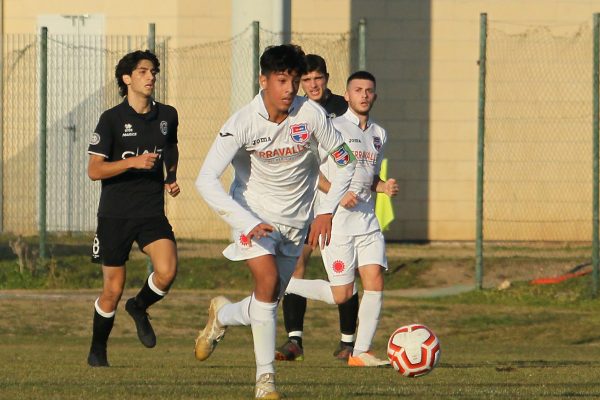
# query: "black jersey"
121,133
334,104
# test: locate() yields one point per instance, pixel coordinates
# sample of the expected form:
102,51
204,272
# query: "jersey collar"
147,116
350,116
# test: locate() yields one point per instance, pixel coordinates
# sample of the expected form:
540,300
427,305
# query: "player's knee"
267,289
299,272
340,298
164,278
111,294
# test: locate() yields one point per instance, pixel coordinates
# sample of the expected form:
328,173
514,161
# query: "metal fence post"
152,48
362,44
1,119
152,37
255,55
43,100
480,152
596,175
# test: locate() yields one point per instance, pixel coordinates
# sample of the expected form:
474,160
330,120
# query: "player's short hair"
128,63
315,62
283,58
361,75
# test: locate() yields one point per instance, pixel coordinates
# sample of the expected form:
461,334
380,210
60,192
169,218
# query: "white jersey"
278,184
367,147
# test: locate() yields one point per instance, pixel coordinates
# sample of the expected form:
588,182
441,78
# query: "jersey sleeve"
210,188
172,137
381,152
332,142
102,138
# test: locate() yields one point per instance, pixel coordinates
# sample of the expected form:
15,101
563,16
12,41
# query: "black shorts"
115,236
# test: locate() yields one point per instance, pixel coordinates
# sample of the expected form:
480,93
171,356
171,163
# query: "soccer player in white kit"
272,144
356,238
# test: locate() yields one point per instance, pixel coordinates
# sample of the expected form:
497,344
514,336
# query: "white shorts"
285,243
347,253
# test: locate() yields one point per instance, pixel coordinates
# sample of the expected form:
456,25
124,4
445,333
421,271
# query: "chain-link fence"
80,86
205,82
538,147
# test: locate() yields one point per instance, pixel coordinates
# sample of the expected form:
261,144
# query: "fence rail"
49,189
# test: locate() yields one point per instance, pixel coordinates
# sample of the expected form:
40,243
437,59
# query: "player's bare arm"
171,154
99,168
324,184
389,187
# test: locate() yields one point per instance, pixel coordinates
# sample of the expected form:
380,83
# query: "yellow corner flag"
383,203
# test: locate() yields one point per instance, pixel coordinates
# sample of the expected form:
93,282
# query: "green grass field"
526,342
494,345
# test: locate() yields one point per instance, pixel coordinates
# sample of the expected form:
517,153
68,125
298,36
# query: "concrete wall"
423,53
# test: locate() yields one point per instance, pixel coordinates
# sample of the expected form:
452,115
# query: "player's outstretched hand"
172,189
144,161
390,187
349,200
320,230
259,231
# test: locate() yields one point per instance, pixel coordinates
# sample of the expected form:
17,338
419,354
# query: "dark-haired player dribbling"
132,144
272,144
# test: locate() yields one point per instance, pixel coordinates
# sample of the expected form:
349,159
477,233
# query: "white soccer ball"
413,350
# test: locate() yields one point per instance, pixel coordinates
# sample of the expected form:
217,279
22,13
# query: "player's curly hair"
128,63
283,58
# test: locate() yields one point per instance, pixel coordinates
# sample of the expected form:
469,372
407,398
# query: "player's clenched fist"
349,200
172,189
144,161
390,187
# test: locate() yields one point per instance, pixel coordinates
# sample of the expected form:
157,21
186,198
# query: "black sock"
101,331
348,315
146,296
294,307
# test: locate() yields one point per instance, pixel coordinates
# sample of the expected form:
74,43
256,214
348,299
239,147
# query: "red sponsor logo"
244,241
284,152
338,266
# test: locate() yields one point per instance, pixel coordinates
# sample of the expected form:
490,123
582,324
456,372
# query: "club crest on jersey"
341,156
163,127
299,132
244,241
95,139
377,143
338,266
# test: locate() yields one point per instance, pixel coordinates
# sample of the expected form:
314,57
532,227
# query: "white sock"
368,318
102,312
235,314
153,287
314,289
263,317
347,338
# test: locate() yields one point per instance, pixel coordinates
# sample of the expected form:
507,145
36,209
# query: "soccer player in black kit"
132,144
